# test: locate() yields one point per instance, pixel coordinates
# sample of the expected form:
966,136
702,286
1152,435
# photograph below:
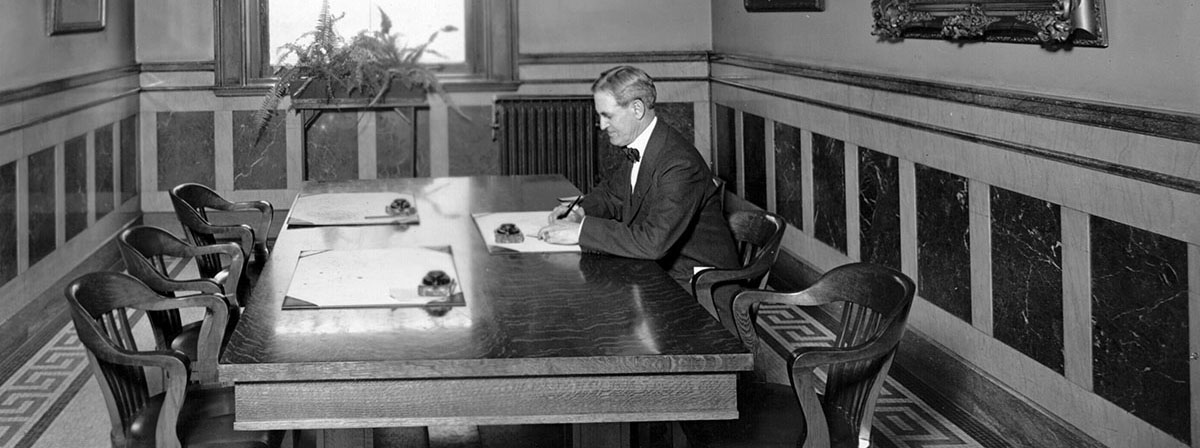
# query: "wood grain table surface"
543,337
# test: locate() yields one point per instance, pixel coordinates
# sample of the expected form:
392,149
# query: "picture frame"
1050,23
784,5
75,16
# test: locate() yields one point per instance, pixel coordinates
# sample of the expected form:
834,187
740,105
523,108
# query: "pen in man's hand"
567,212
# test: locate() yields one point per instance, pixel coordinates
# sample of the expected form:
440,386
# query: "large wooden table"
543,338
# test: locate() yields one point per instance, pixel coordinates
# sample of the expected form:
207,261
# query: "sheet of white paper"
342,209
367,278
528,222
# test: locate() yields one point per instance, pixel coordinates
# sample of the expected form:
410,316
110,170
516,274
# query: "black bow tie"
632,154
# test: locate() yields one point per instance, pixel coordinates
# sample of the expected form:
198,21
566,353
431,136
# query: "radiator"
551,135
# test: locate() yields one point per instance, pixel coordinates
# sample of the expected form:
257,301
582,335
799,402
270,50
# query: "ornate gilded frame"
1051,23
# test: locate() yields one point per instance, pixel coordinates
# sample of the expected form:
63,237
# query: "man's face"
621,123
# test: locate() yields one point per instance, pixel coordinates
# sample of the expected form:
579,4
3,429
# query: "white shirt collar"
643,139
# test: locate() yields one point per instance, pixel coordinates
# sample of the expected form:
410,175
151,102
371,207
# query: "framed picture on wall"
74,16
784,5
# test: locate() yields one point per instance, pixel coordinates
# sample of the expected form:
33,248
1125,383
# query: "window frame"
242,56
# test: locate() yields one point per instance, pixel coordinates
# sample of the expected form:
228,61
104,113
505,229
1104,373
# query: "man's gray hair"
627,83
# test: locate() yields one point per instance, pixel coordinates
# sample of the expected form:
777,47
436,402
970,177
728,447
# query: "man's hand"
576,215
560,232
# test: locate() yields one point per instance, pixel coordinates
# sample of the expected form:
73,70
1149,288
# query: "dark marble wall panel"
41,204
1027,286
681,116
879,208
261,165
1140,318
129,157
396,142
472,150
726,145
788,175
829,191
754,154
331,147
944,241
8,222
103,143
185,149
75,181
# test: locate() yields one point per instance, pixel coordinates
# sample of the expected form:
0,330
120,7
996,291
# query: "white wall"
567,26
28,56
1153,57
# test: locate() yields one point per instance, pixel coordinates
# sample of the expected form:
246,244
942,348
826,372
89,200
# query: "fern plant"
366,66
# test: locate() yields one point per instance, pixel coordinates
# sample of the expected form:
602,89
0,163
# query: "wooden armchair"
100,303
191,203
144,250
758,235
875,303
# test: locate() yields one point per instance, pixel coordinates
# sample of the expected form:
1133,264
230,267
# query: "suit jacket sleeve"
665,214
604,201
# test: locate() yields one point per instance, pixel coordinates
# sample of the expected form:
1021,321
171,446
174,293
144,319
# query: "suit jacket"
673,216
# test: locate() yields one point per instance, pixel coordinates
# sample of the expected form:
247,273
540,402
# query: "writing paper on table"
528,222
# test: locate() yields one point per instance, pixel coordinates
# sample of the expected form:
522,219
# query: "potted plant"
370,68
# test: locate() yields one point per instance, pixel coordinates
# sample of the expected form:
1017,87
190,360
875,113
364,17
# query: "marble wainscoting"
1027,276
42,205
186,149
879,208
944,241
130,145
829,191
261,165
471,149
331,147
754,159
105,180
725,127
8,222
789,184
1140,324
75,185
681,116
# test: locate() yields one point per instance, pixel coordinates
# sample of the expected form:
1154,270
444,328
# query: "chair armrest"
229,278
704,282
243,232
212,329
264,223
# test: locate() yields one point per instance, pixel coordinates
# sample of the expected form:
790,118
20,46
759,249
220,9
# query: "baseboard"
23,333
953,386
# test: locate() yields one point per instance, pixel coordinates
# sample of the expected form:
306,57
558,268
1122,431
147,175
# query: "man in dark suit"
662,204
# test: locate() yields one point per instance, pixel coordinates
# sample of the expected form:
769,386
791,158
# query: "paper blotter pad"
369,278
349,209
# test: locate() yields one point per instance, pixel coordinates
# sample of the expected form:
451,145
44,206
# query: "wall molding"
186,66
1143,175
67,83
612,57
1156,123
70,110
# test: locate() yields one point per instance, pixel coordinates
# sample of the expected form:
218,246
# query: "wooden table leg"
608,435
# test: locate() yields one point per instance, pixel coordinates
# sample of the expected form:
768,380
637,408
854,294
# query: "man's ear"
639,109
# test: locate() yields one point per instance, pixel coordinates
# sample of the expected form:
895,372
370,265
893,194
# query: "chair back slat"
758,235
190,202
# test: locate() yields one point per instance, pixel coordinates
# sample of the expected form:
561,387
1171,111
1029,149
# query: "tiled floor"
51,398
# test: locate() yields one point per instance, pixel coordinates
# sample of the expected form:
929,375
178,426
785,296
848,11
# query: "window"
480,56
413,20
